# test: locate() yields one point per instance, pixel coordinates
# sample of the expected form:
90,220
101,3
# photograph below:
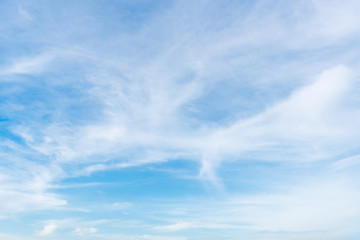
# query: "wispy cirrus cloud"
327,206
88,89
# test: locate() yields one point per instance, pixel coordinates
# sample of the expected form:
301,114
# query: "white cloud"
204,224
140,103
121,205
155,237
346,162
72,225
317,207
330,206
29,65
175,227
334,19
85,231
14,201
25,183
139,237
48,229
306,126
15,237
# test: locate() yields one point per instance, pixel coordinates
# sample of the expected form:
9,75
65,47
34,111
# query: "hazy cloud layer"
96,98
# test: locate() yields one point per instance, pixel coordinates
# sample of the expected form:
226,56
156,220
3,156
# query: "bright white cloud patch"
175,227
48,229
85,231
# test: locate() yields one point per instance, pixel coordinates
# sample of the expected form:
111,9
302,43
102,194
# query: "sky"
179,120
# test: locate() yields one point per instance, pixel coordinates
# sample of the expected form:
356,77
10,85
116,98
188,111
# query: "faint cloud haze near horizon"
179,120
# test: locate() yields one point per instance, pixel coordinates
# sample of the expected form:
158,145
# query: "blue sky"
179,120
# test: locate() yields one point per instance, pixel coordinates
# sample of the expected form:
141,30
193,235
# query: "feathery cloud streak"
92,88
